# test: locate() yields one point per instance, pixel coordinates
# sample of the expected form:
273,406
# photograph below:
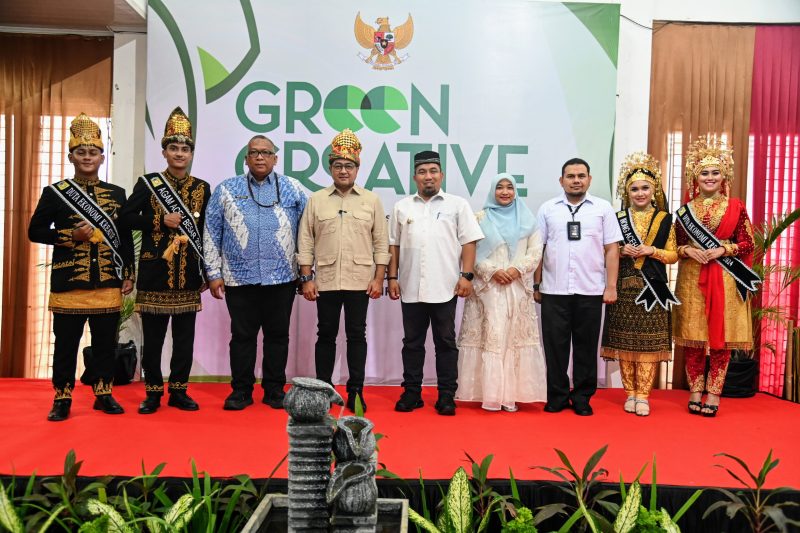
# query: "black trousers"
68,330
329,309
571,319
154,329
416,319
259,307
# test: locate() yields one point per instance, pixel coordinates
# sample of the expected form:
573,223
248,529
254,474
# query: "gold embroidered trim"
641,220
102,388
153,388
168,302
72,311
64,394
64,238
177,385
633,282
86,301
689,343
64,264
635,357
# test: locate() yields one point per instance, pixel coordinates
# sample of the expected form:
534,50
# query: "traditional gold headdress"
641,166
178,129
346,146
84,132
707,152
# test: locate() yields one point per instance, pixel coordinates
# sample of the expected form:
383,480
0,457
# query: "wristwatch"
310,277
468,275
536,286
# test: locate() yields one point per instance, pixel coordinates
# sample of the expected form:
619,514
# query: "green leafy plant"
777,279
633,517
9,517
522,523
484,502
456,515
140,503
753,503
126,311
68,502
583,514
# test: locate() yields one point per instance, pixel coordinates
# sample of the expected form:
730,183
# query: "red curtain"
775,131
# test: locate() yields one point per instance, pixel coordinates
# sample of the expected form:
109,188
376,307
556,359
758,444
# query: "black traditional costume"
86,275
637,330
171,274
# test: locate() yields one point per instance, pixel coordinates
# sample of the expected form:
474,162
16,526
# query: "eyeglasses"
346,166
263,153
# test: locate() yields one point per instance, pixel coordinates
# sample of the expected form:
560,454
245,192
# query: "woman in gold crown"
714,316
637,327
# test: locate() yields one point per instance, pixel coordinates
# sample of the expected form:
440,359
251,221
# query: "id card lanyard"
574,227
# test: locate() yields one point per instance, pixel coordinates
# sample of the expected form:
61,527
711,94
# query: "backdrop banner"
510,86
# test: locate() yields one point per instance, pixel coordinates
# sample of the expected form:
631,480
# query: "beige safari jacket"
344,236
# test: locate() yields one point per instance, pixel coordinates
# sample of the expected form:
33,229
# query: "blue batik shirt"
247,244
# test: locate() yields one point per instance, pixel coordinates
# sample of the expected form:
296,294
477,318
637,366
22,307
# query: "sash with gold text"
171,203
744,276
85,206
655,290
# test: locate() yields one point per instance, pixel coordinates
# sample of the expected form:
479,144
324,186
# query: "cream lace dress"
501,360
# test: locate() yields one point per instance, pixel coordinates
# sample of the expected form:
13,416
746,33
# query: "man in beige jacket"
343,232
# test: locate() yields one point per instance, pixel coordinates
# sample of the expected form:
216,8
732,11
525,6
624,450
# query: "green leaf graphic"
213,71
603,22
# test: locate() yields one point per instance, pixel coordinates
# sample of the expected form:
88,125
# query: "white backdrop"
514,85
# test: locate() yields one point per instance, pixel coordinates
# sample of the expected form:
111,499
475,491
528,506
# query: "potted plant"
740,381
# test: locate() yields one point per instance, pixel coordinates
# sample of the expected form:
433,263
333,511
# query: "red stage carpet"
253,441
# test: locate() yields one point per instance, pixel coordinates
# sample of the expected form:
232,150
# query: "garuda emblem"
383,42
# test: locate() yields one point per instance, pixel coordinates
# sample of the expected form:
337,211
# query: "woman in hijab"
501,361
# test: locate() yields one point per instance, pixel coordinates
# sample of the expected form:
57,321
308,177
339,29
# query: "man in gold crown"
92,267
343,232
169,209
715,246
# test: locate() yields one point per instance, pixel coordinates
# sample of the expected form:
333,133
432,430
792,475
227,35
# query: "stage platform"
254,441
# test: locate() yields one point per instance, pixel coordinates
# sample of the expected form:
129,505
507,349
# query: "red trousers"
696,367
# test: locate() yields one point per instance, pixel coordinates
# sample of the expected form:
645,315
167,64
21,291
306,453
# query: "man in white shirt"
578,274
432,238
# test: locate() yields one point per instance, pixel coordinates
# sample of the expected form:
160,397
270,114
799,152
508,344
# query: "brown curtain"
40,76
701,82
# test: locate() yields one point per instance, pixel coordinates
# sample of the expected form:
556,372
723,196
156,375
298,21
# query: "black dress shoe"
236,401
274,399
182,401
445,405
583,410
351,401
408,402
150,404
108,405
549,408
59,411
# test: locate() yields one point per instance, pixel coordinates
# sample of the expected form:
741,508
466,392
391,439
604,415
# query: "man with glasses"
249,246
343,232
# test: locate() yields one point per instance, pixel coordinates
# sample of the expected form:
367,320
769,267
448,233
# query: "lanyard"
575,212
277,191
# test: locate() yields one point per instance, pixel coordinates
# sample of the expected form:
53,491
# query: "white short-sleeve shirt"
576,267
430,236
